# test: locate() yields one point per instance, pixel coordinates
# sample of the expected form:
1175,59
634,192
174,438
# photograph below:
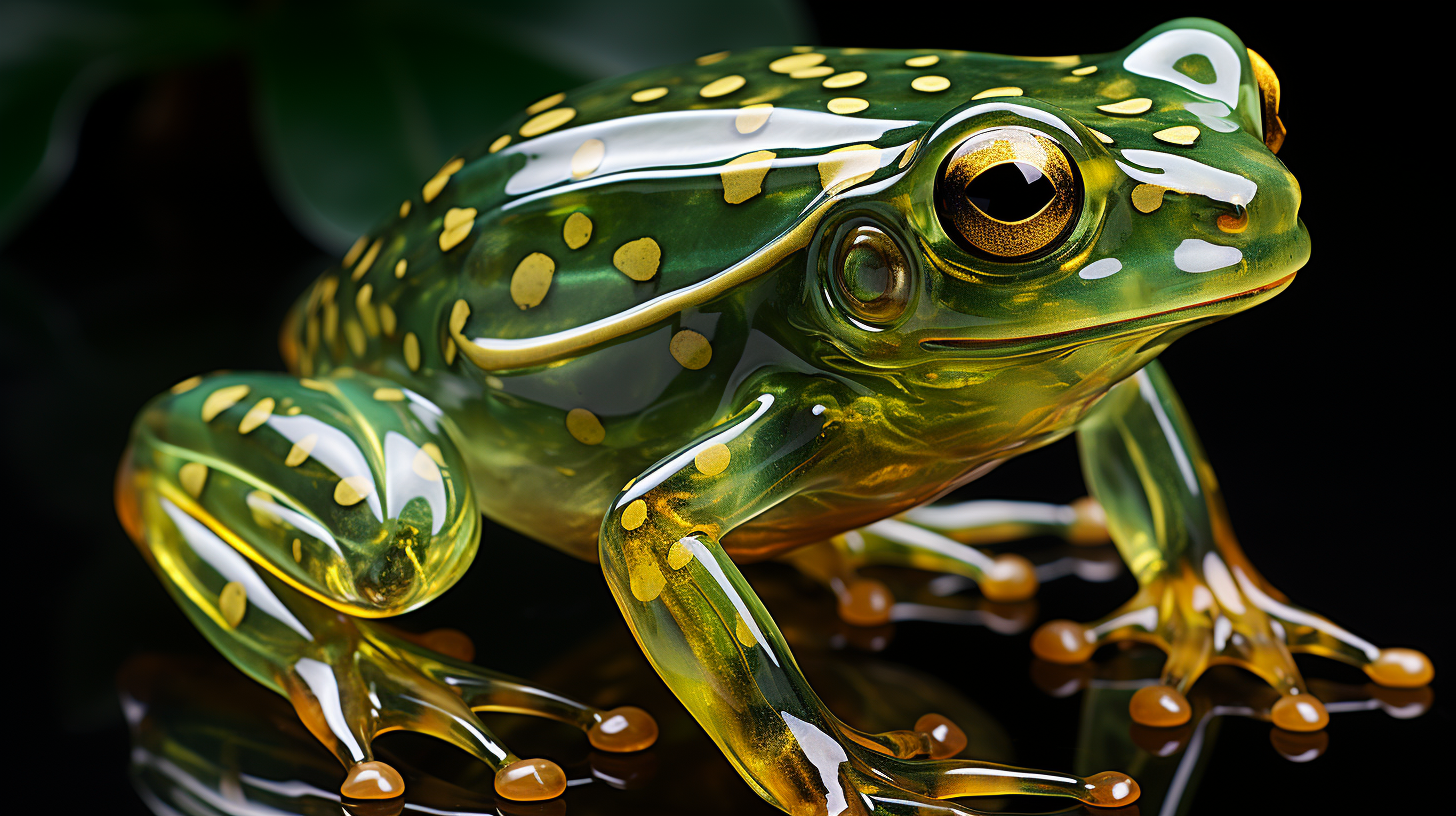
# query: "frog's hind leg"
942,538
282,515
1200,598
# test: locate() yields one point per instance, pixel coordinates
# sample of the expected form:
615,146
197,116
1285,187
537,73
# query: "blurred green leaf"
57,54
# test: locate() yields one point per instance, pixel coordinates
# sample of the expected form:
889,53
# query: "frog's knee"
349,488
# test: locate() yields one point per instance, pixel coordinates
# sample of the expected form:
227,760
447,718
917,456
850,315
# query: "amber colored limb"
1199,599
712,641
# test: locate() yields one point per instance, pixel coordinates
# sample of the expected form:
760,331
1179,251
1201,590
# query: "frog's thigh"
1200,597
708,635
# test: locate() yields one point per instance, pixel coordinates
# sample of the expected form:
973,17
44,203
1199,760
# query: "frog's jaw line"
1132,325
497,354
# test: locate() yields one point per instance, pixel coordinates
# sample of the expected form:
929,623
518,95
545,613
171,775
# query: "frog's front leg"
1199,596
284,515
710,638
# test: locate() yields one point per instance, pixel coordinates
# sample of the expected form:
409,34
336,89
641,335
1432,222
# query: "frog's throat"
1012,346
496,354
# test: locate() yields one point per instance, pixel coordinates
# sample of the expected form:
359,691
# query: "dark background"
166,252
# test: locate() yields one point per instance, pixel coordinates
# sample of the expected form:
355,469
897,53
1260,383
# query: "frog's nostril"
1235,222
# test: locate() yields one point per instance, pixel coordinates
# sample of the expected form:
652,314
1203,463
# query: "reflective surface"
776,419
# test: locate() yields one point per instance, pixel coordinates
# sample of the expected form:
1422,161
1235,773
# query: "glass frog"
771,303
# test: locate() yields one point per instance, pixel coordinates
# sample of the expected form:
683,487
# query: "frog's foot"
391,683
1211,614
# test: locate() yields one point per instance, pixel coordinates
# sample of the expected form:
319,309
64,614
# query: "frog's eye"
1007,193
872,275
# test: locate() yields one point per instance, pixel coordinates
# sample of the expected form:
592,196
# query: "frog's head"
1125,195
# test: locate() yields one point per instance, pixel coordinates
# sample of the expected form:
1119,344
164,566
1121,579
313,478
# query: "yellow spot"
909,152
930,83
404,209
797,62
743,176
433,187
354,251
585,426
1008,90
368,259
848,79
425,467
812,73
400,268
192,476
412,351
448,349
1128,107
634,516
492,381
294,411
387,318
924,61
565,471
349,492
1101,137
354,334
331,321
298,454
722,86
367,315
186,385
297,550
647,581
313,385
233,603
588,158
690,349
458,222
848,166
649,94
548,121
327,287
500,142
712,460
802,49
1181,135
1147,197
638,259
1084,70
221,400
577,231
256,415
459,313
753,117
847,104
434,453
679,554
743,633
542,104
389,395
532,279
709,59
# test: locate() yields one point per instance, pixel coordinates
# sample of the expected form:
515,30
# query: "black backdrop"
1324,410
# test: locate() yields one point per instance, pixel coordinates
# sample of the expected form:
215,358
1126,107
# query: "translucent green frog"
751,307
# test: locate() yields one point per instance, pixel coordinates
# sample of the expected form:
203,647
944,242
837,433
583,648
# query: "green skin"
831,423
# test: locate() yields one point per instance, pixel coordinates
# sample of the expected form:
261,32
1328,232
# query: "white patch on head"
1100,269
1211,115
1194,255
1188,176
1156,58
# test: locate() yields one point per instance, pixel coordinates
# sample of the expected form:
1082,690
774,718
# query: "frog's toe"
530,780
623,729
372,780
1401,668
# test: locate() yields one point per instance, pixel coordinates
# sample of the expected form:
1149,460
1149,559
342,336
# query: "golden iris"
1007,193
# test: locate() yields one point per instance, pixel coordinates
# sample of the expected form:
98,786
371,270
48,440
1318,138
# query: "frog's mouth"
1157,321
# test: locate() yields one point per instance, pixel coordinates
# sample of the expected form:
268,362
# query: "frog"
774,303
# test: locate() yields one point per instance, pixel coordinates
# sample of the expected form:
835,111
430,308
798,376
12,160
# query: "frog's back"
604,257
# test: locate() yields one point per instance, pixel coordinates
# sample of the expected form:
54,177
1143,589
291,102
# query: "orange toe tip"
1110,789
1091,525
1159,707
1010,578
1063,641
530,780
866,602
627,728
1299,712
946,738
1401,668
372,780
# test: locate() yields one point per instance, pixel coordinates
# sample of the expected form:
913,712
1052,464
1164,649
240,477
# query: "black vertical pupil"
1012,191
